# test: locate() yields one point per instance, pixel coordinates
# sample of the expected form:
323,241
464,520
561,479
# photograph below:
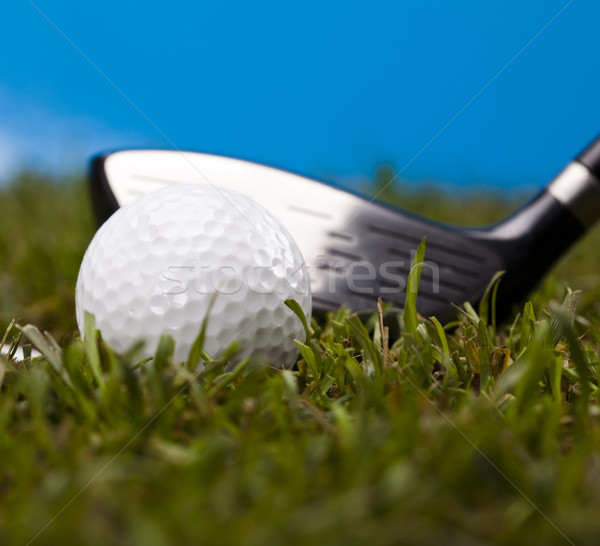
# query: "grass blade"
410,317
297,310
46,345
90,342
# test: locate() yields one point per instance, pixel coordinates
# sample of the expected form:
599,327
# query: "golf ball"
189,252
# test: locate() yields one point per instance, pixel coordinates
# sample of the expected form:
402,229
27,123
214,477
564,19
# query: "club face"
356,250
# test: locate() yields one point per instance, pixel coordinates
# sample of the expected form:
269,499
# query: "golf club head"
358,249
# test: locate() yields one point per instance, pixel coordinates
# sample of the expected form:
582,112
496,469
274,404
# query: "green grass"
473,436
45,227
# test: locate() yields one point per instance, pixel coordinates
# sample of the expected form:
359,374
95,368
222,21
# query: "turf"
480,434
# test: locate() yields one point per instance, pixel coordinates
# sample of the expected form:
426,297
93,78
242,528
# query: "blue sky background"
330,89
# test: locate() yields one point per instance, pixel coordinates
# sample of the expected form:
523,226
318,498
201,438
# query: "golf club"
358,249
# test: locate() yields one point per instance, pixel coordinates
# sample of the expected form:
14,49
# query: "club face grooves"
403,239
457,265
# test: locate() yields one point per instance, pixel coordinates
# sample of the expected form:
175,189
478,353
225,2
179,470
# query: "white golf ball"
172,258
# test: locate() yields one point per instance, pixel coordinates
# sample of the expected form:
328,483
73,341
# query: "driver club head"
358,249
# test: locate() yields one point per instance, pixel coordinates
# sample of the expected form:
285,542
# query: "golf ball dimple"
188,253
